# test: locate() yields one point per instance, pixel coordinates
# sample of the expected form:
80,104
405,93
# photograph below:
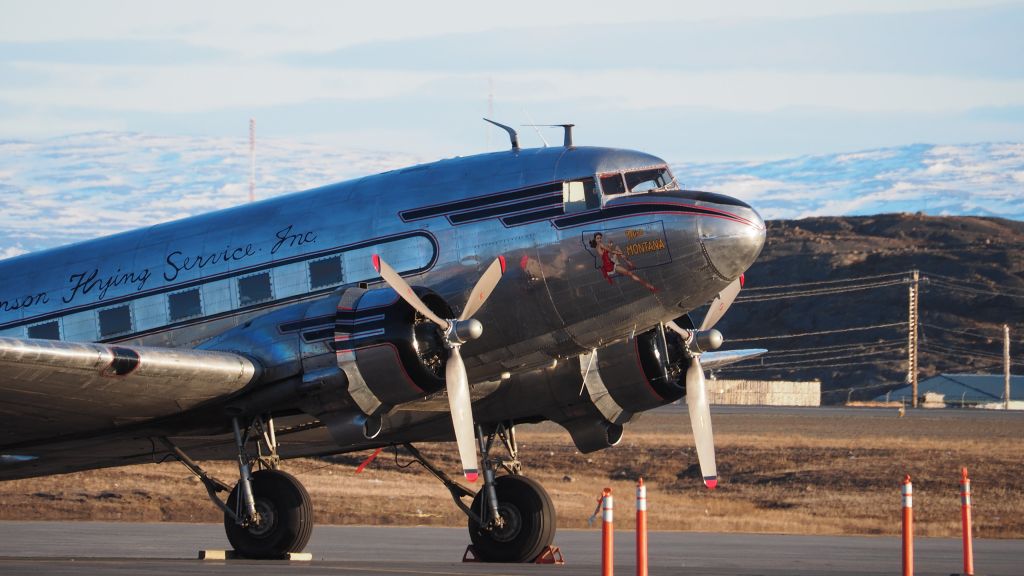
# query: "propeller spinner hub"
708,340
465,330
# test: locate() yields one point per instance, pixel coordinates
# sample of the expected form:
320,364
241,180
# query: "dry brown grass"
810,473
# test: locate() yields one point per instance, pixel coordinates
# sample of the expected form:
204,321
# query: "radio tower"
252,159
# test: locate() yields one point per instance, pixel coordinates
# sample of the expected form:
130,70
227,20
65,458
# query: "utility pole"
912,335
252,159
1006,365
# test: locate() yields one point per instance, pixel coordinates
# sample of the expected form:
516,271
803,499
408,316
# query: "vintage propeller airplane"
450,300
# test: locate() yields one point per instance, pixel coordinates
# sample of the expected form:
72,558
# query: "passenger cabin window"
183,305
45,331
326,272
579,195
115,321
254,289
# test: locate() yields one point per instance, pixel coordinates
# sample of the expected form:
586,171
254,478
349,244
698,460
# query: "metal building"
764,392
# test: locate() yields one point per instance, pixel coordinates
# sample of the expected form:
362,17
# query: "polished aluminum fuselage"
553,302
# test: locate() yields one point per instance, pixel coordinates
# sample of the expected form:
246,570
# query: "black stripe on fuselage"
495,211
307,323
487,200
534,216
633,209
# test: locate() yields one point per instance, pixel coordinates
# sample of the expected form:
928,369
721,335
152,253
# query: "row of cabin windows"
187,304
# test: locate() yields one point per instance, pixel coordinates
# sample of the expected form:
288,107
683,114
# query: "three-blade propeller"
696,387
457,331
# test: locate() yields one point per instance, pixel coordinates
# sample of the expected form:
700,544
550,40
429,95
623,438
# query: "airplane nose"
732,242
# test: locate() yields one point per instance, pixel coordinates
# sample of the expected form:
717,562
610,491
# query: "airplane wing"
51,389
719,358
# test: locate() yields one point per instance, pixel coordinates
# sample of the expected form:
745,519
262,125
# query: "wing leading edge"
51,388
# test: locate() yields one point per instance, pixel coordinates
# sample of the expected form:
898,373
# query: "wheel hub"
511,523
266,517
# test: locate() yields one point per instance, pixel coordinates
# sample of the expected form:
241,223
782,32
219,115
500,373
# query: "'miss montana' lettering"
83,283
178,262
645,247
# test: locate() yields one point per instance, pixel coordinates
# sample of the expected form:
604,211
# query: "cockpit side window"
612,184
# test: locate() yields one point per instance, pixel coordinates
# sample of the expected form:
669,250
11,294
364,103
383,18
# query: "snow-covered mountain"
985,179
72,188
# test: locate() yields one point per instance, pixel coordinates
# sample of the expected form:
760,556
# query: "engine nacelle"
643,372
390,353
593,395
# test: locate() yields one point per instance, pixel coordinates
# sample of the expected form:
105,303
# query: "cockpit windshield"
652,180
638,181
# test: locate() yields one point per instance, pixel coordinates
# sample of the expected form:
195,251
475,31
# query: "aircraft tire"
529,522
284,504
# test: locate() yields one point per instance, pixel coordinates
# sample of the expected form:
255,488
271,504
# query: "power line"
961,332
967,283
821,332
817,360
787,367
823,282
935,348
835,347
953,287
821,291
790,352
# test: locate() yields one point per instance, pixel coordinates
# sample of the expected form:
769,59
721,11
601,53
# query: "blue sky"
689,81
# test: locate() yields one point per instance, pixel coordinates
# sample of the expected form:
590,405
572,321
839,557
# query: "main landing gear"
512,518
268,514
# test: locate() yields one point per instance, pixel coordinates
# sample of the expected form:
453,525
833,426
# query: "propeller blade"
700,421
399,285
720,304
684,333
484,286
461,407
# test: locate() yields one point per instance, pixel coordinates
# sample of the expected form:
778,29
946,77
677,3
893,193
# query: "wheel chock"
232,555
549,555
470,554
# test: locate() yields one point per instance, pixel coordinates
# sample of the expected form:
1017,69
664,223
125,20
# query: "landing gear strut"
268,514
512,518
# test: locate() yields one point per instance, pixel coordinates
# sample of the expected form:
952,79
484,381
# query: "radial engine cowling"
638,374
390,353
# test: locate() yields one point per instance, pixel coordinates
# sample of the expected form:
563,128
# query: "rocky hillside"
837,274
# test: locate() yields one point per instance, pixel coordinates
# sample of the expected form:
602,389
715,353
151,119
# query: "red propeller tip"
376,262
471,476
743,280
502,260
711,482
